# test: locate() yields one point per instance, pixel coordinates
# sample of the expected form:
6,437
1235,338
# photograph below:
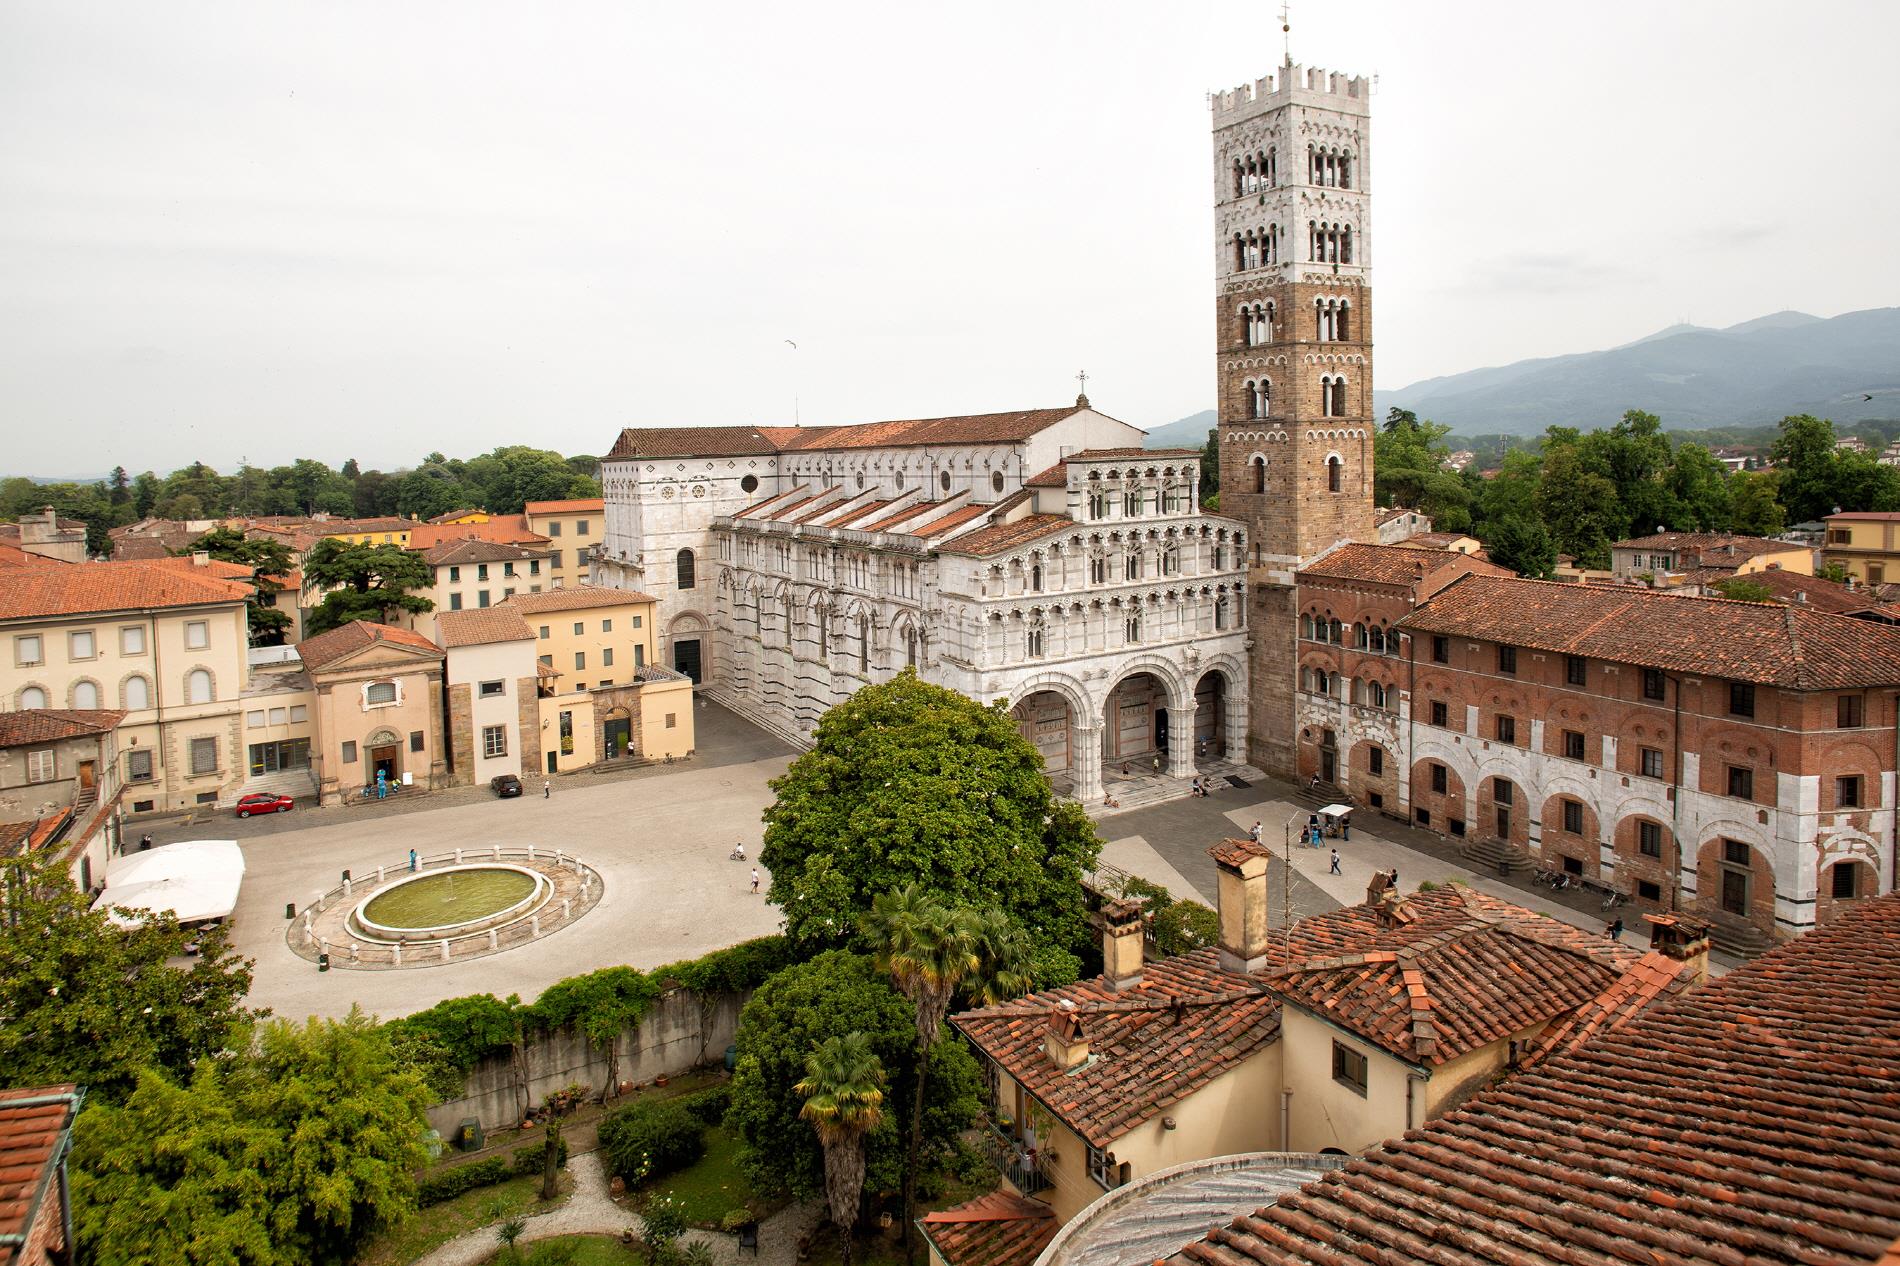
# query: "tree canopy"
366,582
87,1001
269,561
290,1149
910,783
797,1010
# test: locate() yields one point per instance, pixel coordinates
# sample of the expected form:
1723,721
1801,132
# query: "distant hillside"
1749,374
1189,432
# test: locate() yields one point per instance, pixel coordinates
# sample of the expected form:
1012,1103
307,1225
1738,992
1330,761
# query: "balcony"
1020,1166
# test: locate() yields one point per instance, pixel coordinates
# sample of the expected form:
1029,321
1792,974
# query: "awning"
193,881
1336,810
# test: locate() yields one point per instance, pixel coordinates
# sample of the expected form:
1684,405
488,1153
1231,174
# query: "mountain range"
1691,376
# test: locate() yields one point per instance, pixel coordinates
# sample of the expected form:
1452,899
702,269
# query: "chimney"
1064,1040
1244,936
1377,887
1682,938
1122,934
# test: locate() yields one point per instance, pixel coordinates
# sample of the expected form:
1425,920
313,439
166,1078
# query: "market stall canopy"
1336,810
194,881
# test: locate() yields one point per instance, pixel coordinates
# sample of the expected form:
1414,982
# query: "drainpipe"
1412,1082
1286,1118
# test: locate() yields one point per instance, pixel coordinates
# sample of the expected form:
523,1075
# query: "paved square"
659,839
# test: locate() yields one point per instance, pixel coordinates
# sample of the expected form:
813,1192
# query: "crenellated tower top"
1293,85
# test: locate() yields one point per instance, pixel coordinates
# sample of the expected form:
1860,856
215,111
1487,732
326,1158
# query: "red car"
263,802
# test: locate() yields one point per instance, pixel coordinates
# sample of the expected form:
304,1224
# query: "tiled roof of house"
14,556
1770,644
452,515
582,505
1812,592
349,638
1057,476
944,523
480,626
87,588
574,598
998,1228
999,537
740,441
1865,516
49,725
1396,512
1455,977
205,567
34,1123
505,529
473,550
1186,1023
1655,976
1385,564
1752,1119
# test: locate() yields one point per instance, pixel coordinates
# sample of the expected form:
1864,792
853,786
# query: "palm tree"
1002,952
844,1101
930,951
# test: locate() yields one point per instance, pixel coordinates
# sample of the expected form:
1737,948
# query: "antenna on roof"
794,347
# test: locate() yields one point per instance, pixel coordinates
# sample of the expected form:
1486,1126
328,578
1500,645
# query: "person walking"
1254,833
412,859
547,788
755,879
1335,866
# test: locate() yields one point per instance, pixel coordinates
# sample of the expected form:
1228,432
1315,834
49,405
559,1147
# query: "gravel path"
590,1211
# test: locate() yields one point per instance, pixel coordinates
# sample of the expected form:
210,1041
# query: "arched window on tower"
1262,398
1334,469
1345,171
1326,396
1240,253
1339,396
1246,326
1342,325
1259,465
1273,166
1345,244
683,568
1239,179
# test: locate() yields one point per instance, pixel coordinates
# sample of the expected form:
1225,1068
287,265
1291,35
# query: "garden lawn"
589,1250
438,1224
713,1186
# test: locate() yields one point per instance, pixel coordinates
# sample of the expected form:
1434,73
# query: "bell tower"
1293,348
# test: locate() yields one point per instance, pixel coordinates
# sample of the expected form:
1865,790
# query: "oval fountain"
455,901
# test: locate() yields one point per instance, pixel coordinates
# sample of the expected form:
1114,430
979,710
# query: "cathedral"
1043,558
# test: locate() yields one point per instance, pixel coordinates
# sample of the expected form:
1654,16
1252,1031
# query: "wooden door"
1734,892
88,774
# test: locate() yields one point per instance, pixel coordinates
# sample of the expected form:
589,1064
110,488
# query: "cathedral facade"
1040,558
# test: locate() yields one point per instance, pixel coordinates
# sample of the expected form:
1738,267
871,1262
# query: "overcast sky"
369,230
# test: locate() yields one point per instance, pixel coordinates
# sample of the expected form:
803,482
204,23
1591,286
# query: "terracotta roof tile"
1458,975
739,441
14,556
998,1228
481,626
87,588
49,725
208,567
1809,591
1057,476
956,518
505,529
1402,564
582,505
690,441
1770,644
575,598
474,550
1753,1119
451,515
998,537
349,638
32,1148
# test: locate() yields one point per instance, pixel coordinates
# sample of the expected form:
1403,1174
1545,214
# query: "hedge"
446,1184
650,1138
462,1032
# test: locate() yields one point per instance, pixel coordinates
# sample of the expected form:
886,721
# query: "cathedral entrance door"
1161,730
686,657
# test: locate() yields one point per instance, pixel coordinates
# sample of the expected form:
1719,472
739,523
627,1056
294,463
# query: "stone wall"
528,725
676,1035
461,735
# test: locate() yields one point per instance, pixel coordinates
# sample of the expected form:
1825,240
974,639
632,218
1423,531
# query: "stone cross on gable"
1082,395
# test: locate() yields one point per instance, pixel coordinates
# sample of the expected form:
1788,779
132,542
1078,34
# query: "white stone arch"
1056,682
1180,695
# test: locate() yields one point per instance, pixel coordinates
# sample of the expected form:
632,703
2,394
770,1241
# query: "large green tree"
365,582
910,783
1522,544
796,1010
844,1101
87,1001
269,561
1754,507
1578,506
291,1148
1408,469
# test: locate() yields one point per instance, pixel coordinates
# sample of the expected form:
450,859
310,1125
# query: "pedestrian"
755,879
1157,762
1335,866
547,788
1393,878
412,859
1314,785
1616,928
1254,834
145,841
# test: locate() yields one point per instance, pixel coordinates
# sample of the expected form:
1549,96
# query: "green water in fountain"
455,897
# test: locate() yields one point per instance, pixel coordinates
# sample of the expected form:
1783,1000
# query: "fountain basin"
454,901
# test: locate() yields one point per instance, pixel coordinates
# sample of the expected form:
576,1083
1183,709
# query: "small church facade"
1040,558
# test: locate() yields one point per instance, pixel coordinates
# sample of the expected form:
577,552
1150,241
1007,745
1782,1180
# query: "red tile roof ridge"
1235,851
992,1206
1112,1006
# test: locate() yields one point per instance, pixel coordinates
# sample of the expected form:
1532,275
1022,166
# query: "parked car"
505,785
263,802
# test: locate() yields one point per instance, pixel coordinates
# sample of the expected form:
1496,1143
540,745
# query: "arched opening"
683,566
383,750
1048,722
138,693
198,686
1135,736
1259,464
691,643
32,697
1210,716
616,734
85,695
